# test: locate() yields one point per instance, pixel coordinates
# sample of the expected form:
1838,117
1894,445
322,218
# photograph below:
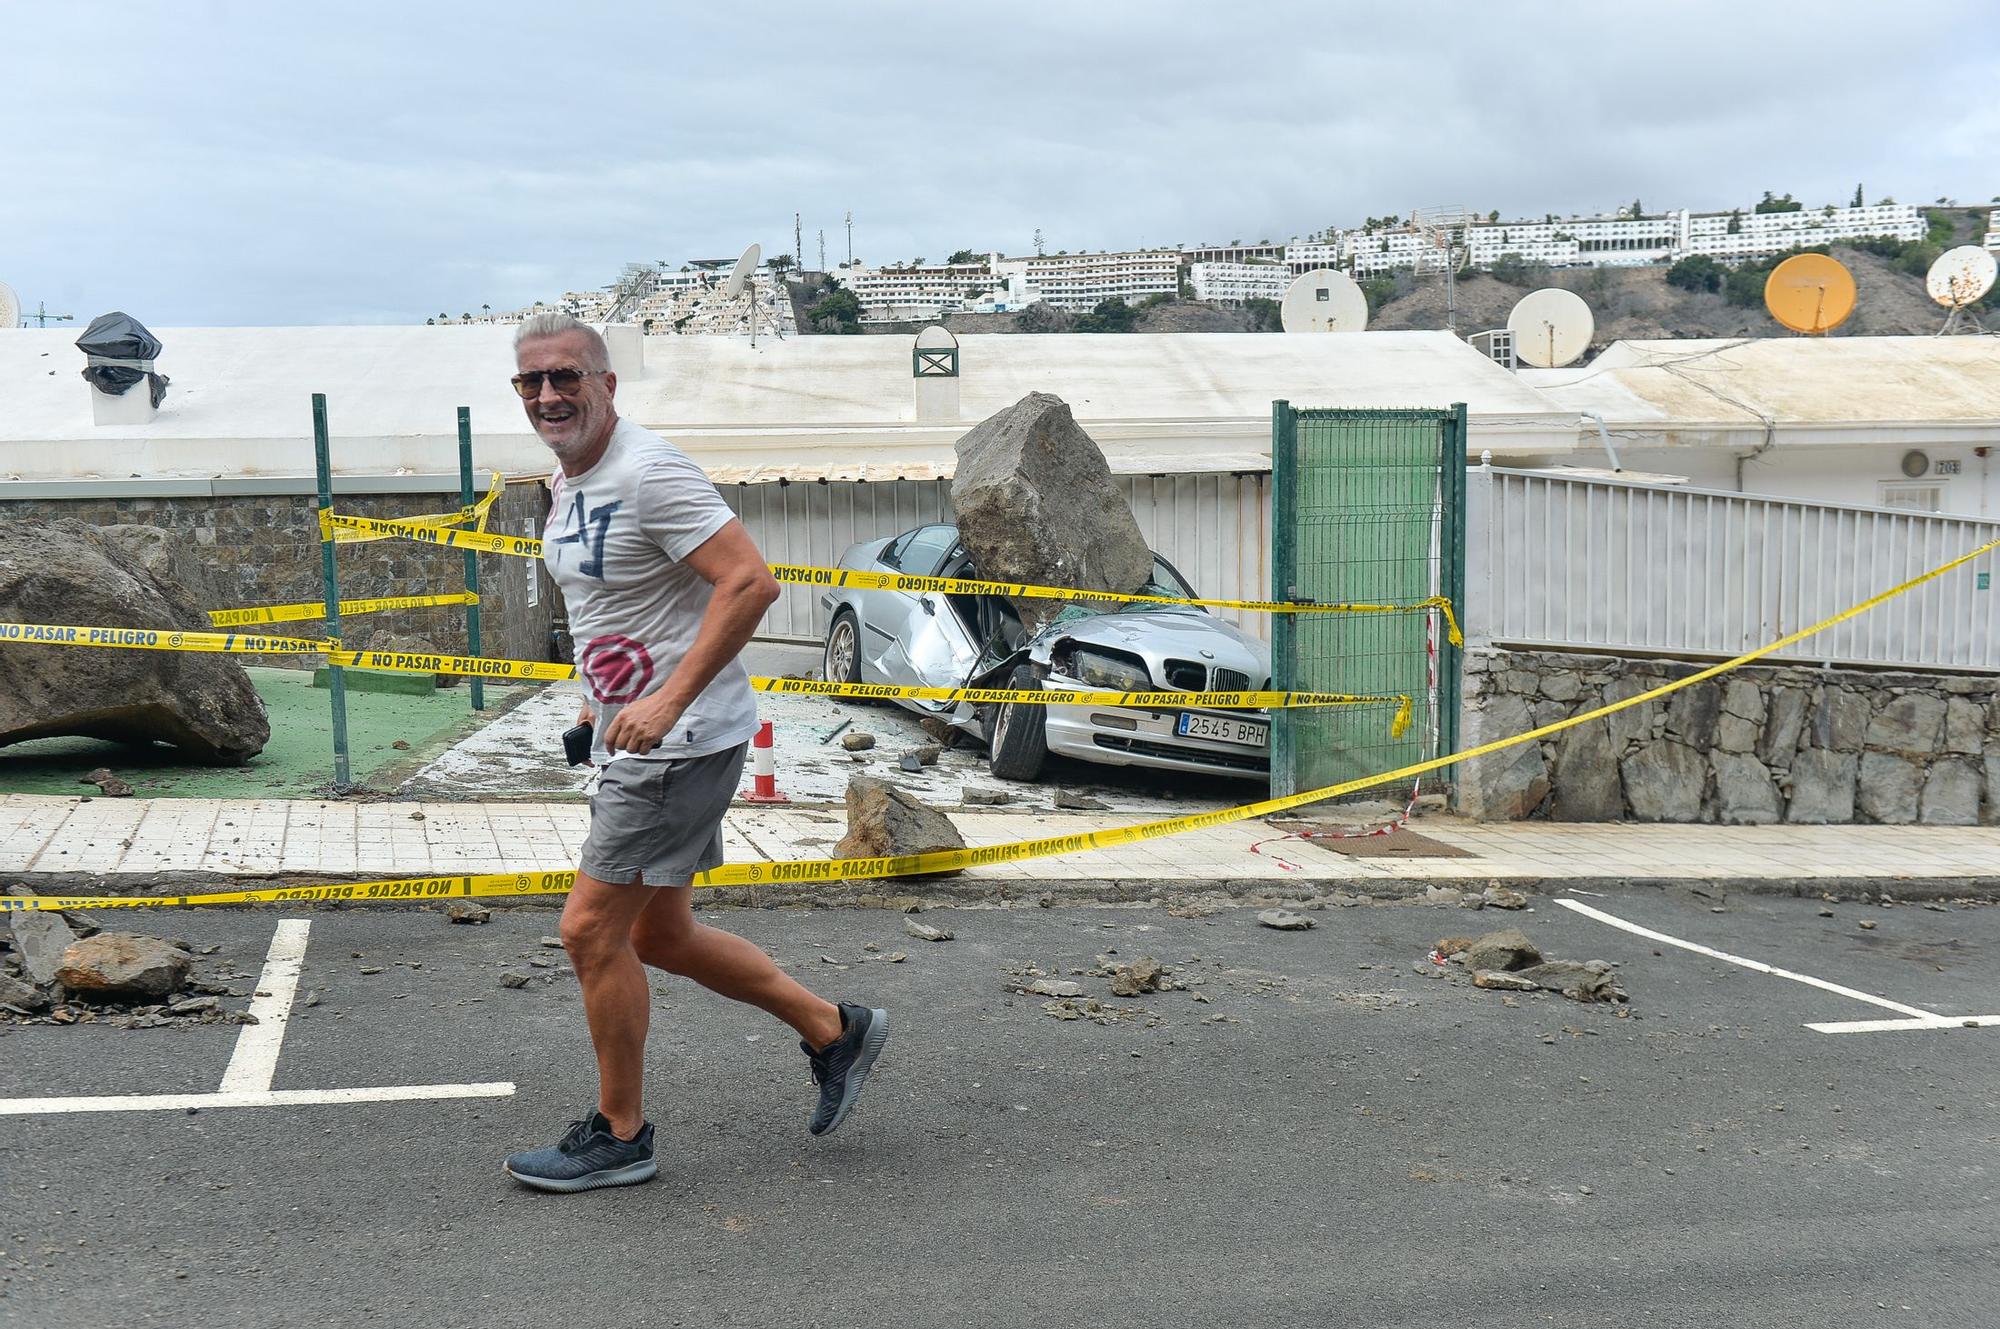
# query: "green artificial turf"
296,763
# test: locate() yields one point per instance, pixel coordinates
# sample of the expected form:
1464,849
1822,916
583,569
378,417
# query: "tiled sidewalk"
226,838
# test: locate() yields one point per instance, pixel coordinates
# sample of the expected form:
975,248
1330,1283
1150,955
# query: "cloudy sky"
245,162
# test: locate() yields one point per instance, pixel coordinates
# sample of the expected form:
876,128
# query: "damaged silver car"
935,639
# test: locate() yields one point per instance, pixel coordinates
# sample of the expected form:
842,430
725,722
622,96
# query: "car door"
899,627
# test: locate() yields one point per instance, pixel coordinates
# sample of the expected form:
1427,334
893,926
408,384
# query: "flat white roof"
802,407
1808,390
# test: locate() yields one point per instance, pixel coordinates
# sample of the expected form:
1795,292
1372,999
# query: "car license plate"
1248,733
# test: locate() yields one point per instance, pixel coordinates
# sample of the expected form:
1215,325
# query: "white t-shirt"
614,544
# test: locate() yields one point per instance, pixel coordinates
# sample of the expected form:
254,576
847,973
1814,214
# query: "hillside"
1637,303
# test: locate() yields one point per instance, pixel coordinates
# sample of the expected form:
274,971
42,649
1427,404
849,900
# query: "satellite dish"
1551,327
739,276
10,307
1810,293
1323,301
1961,275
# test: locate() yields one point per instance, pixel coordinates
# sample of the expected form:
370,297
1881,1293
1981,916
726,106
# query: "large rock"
1951,793
66,573
123,966
40,938
1634,723
1744,793
1664,781
1963,722
1508,785
1036,503
1822,787
168,558
1991,816
885,822
1781,728
1694,712
1841,722
1507,949
1909,723
1887,791
1586,780
1579,980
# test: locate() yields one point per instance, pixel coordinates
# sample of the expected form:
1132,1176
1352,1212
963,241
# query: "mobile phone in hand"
576,744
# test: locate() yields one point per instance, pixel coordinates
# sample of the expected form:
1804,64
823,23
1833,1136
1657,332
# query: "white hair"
555,323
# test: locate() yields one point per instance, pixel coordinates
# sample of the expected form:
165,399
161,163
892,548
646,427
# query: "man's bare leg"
597,925
666,936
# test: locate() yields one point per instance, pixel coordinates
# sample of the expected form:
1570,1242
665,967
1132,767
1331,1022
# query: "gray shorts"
660,822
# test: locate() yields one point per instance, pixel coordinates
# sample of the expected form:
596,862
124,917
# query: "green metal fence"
1368,507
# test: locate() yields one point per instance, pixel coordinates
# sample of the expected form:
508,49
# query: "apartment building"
1081,281
1993,229
1261,252
1233,283
905,294
1628,241
1304,257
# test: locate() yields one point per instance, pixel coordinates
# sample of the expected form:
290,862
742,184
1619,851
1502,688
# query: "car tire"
840,657
1020,742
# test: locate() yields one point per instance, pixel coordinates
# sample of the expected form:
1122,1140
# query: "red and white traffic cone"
763,770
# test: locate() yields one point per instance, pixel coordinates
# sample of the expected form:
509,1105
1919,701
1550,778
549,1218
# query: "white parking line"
1919,1017
393,1093
1880,1026
254,1063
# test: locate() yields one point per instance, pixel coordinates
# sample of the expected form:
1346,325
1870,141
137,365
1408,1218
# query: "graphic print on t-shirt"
617,668
590,532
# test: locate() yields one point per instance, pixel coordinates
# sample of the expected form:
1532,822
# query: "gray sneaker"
588,1157
842,1066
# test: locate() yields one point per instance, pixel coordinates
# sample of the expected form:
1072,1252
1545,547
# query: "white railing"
1604,565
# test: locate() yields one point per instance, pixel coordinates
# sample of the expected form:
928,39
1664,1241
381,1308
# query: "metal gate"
1368,508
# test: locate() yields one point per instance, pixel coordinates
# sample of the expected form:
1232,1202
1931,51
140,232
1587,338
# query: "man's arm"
744,588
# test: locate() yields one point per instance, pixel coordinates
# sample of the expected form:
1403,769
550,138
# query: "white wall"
1851,475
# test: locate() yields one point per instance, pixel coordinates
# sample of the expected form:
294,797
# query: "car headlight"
1113,673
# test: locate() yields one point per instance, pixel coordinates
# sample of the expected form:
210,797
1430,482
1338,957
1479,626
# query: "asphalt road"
1333,1138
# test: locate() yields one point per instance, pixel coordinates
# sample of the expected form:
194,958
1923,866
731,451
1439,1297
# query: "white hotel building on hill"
1233,283
1080,281
918,294
1638,241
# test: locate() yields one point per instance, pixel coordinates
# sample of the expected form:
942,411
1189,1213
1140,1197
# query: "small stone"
401,745
1867,926
1283,920
1501,897
465,911
925,932
416,816
107,784
311,998
1505,950
1143,975
909,763
1449,946
194,1006
510,979
926,755
1826,913
857,742
1049,987
1068,801
1503,982
371,968
553,943
985,798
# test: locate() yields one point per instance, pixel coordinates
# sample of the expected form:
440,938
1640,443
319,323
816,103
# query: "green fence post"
336,683
1284,576
471,558
1451,659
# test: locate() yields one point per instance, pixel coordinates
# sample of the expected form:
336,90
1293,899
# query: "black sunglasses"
564,381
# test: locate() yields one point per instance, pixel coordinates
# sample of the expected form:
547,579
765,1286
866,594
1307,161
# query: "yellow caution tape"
955,860
316,609
474,513
798,574
1224,701
423,662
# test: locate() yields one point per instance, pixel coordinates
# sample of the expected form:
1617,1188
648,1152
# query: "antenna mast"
42,315
850,237
798,243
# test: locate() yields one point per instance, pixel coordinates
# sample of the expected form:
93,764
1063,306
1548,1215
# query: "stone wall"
265,549
1759,744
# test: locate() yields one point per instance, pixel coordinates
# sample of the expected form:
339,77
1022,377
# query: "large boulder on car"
1036,503
64,573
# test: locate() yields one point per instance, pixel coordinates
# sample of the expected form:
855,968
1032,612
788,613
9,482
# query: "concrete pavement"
1336,1136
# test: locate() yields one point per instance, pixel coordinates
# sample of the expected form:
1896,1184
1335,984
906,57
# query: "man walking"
664,588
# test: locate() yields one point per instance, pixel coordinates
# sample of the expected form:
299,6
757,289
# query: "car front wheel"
1020,742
